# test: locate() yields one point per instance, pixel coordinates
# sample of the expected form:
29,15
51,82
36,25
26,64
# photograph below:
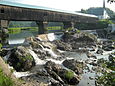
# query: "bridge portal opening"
2,11
20,30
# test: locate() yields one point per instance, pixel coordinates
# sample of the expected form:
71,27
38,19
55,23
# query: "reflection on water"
19,38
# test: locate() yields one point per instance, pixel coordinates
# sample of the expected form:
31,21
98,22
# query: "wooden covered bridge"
10,11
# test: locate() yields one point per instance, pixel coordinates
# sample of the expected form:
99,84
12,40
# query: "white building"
104,14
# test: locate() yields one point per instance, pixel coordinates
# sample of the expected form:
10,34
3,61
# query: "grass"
5,80
14,30
55,28
18,29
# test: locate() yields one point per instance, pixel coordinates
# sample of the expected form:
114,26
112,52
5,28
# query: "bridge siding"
27,14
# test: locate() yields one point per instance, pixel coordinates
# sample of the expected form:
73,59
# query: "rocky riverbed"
72,60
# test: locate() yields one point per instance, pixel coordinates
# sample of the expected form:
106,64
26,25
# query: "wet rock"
79,40
36,80
41,53
36,45
69,77
42,72
74,65
52,66
74,81
62,75
81,37
62,45
112,58
4,52
99,51
108,47
91,62
55,83
89,55
52,69
21,59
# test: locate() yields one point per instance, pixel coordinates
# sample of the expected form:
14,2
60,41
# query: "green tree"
97,11
111,1
83,11
103,23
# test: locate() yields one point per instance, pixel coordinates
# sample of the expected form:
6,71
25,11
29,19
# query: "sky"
70,5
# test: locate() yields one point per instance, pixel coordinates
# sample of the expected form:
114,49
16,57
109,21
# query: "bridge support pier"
4,31
42,27
68,25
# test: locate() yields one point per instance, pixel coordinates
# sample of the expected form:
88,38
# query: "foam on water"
51,37
21,74
51,52
55,61
37,60
16,41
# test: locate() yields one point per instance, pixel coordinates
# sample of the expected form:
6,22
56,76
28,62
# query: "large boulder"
74,65
21,59
79,39
62,75
62,45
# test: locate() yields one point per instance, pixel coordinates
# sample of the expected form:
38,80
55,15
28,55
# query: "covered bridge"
10,11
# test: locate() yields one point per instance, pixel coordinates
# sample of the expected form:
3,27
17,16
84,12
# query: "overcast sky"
71,5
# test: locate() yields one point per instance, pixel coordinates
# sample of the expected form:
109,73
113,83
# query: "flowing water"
19,38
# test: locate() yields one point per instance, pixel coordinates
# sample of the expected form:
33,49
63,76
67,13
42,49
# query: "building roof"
42,8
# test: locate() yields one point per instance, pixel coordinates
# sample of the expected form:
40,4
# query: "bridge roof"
42,8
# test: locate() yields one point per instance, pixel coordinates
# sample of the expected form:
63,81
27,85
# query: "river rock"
55,83
62,75
74,65
81,37
112,58
62,45
108,47
79,40
52,69
69,76
99,51
21,59
89,55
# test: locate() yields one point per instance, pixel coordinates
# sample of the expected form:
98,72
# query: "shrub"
69,74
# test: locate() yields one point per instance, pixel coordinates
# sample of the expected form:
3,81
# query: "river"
85,81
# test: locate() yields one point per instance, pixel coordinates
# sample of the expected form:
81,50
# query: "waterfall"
37,60
21,74
50,52
51,36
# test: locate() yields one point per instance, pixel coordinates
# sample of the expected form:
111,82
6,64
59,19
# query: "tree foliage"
97,11
111,1
103,23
